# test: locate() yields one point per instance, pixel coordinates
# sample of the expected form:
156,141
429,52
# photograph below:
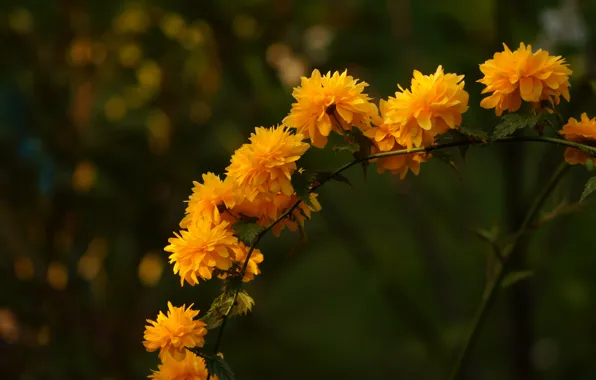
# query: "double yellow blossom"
172,333
522,75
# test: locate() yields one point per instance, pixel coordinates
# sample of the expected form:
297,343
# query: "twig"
491,291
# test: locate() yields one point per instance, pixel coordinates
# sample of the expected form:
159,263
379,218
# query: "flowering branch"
489,297
263,185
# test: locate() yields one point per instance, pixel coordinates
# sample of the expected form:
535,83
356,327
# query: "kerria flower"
299,215
208,199
323,101
191,368
172,333
267,207
266,164
523,75
583,131
434,105
239,256
197,251
385,140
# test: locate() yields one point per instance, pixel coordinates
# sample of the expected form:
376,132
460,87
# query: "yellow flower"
581,132
172,333
434,104
252,269
320,97
209,198
200,249
385,139
523,75
266,164
299,215
191,368
268,207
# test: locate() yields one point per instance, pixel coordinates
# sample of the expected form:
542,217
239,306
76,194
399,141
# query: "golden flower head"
172,333
207,199
267,207
384,138
266,164
201,248
434,104
239,256
322,101
191,368
523,75
299,215
579,131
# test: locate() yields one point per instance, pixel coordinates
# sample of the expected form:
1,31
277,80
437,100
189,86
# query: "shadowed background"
109,110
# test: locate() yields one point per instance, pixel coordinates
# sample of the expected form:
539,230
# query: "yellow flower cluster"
258,185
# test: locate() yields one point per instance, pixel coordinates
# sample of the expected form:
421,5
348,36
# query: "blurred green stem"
491,291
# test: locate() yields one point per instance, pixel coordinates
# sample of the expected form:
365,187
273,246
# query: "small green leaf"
476,134
514,277
247,231
243,305
365,145
301,183
323,177
511,122
219,367
588,189
489,236
446,157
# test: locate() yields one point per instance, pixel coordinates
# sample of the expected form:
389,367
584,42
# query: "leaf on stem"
301,182
588,189
244,304
489,236
219,367
512,122
514,277
447,158
247,231
474,133
365,144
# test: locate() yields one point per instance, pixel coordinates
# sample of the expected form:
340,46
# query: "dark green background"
391,272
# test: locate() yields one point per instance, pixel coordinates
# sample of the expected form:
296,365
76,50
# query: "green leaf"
247,231
476,134
323,177
489,236
365,145
588,189
512,122
446,157
219,367
514,277
243,305
301,183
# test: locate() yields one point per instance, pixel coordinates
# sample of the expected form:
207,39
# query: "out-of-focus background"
109,110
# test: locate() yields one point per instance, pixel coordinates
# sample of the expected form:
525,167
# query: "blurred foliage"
109,110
